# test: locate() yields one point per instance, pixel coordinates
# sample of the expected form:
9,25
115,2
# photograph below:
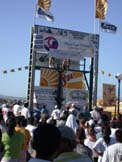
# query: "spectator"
95,114
45,111
80,147
102,143
90,141
114,152
72,119
17,108
31,125
67,145
45,146
56,113
82,121
5,110
63,117
20,127
25,111
2,124
12,142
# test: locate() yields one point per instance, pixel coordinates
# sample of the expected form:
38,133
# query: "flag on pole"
42,13
45,4
107,27
101,8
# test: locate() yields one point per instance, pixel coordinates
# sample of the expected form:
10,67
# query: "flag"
103,72
45,4
107,27
12,70
26,67
42,13
101,8
5,72
19,68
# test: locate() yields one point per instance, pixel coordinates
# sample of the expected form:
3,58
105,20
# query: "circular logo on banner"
50,43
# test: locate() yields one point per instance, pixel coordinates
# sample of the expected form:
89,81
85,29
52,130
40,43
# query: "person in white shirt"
5,110
72,119
25,111
90,141
56,113
17,108
30,125
105,141
95,114
114,152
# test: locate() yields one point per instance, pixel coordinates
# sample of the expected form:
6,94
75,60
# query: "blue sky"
17,18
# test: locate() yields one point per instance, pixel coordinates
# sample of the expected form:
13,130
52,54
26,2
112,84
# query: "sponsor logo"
50,43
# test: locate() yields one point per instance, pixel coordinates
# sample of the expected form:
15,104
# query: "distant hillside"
10,99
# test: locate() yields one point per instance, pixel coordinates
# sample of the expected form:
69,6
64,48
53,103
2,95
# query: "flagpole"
94,21
96,63
31,74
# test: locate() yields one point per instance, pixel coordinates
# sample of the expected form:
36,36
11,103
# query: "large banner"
109,95
46,96
49,78
73,88
61,43
42,60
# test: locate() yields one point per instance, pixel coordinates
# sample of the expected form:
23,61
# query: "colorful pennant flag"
12,70
107,27
101,8
109,75
19,68
5,72
103,72
26,67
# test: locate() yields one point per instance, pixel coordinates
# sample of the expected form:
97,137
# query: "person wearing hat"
67,145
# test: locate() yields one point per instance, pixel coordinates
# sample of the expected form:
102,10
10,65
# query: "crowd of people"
63,135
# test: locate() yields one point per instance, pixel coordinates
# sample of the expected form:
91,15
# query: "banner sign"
66,47
77,96
62,43
46,96
109,95
49,78
42,60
